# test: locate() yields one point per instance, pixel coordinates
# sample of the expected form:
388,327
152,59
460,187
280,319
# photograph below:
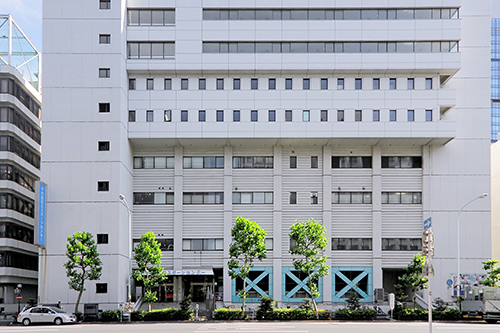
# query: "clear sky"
28,15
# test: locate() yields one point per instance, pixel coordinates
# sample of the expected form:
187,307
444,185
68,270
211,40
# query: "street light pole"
459,284
122,198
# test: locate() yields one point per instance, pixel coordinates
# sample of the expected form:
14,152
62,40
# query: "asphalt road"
263,327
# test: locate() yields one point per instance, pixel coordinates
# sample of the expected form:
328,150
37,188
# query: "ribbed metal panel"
149,180
167,259
253,180
397,259
403,221
203,180
156,218
398,180
240,151
402,151
349,151
351,258
147,152
350,221
202,259
262,214
203,221
352,179
204,152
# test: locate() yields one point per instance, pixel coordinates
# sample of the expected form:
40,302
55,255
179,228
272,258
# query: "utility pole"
428,270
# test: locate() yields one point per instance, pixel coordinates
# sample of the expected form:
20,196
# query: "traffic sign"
19,297
427,223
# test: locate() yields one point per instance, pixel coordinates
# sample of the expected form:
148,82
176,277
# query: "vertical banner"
40,213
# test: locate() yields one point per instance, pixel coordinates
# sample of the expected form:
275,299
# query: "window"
103,145
376,84
18,204
428,83
202,84
288,115
207,162
358,84
167,116
148,17
150,84
153,198
252,197
314,162
167,84
166,244
293,198
184,84
340,84
103,186
236,84
411,84
184,115
392,83
102,238
203,198
210,244
220,84
351,197
254,84
16,231
340,115
351,244
272,84
288,84
101,288
272,115
14,174
376,115
358,115
131,84
401,197
324,115
157,162
131,116
293,162
306,84
306,115
411,115
392,115
254,115
314,198
405,162
104,107
104,72
252,162
220,115
149,116
104,39
104,4
324,84
13,145
151,50
269,244
201,115
428,115
346,162
236,116
401,244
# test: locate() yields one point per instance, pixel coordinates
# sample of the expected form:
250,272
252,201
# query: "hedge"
160,315
227,314
359,314
110,315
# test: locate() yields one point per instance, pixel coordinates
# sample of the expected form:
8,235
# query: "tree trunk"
78,301
149,306
244,290
310,283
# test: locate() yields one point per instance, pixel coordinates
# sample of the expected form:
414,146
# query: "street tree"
83,262
148,258
493,273
412,279
247,245
308,240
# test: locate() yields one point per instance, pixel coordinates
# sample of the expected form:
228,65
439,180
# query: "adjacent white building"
370,117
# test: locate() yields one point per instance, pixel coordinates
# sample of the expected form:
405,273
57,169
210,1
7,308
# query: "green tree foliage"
247,245
83,262
309,241
148,258
411,279
493,272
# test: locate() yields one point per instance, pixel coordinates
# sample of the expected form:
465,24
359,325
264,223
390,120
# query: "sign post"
428,270
392,302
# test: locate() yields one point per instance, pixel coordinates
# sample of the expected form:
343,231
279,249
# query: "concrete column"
277,225
377,217
327,218
228,217
178,194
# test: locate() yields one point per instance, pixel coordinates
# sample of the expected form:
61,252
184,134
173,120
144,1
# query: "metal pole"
122,198
429,299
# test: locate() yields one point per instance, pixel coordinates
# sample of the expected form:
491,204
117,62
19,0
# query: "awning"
196,271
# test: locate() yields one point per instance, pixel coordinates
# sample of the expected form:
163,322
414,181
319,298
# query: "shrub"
79,316
186,308
266,308
227,314
160,315
404,313
447,314
137,315
359,314
110,315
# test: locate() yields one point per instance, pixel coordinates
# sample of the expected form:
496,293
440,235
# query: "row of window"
202,198
10,86
306,83
148,17
207,162
252,197
15,203
153,198
351,197
330,47
17,232
12,116
388,244
401,197
306,115
151,50
331,14
18,260
13,173
253,162
13,145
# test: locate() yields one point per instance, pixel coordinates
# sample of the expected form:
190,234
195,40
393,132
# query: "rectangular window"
392,115
104,39
401,197
428,115
376,84
346,162
396,162
411,84
207,162
288,115
293,198
168,84
314,198
236,84
167,116
203,198
102,186
202,115
208,244
220,115
104,72
272,84
150,84
376,115
103,145
131,116
351,197
358,115
306,115
358,84
254,84
220,84
149,116
392,83
288,84
324,84
157,162
401,244
102,238
252,162
131,84
314,162
236,116
254,115
351,244
104,107
104,4
202,84
184,115
306,84
252,197
293,162
428,83
184,84
324,115
101,288
272,115
340,84
411,115
340,115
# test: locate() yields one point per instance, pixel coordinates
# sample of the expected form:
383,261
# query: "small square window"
167,84
103,145
131,84
306,84
272,115
220,115
314,162
101,288
314,198
428,83
392,84
324,84
167,116
411,84
103,186
293,198
358,115
254,84
324,115
201,115
340,115
102,238
272,84
358,84
411,115
104,4
236,116
131,116
288,84
202,84
184,115
149,116
428,115
288,115
104,39
236,84
340,84
150,84
376,84
306,115
392,115
220,84
184,84
376,115
104,107
254,115
104,72
293,162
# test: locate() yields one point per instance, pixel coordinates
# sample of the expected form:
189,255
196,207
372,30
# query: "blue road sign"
427,223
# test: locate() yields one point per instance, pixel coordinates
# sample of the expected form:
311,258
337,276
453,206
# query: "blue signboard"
427,224
40,213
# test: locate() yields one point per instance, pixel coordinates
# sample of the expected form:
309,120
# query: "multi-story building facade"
20,149
367,117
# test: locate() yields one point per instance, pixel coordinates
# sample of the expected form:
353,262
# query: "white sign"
191,272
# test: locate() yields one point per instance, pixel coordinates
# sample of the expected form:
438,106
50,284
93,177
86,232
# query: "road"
262,327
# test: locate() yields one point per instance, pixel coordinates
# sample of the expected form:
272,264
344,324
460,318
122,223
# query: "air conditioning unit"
379,295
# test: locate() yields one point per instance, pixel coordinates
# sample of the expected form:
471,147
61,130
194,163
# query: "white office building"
368,116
